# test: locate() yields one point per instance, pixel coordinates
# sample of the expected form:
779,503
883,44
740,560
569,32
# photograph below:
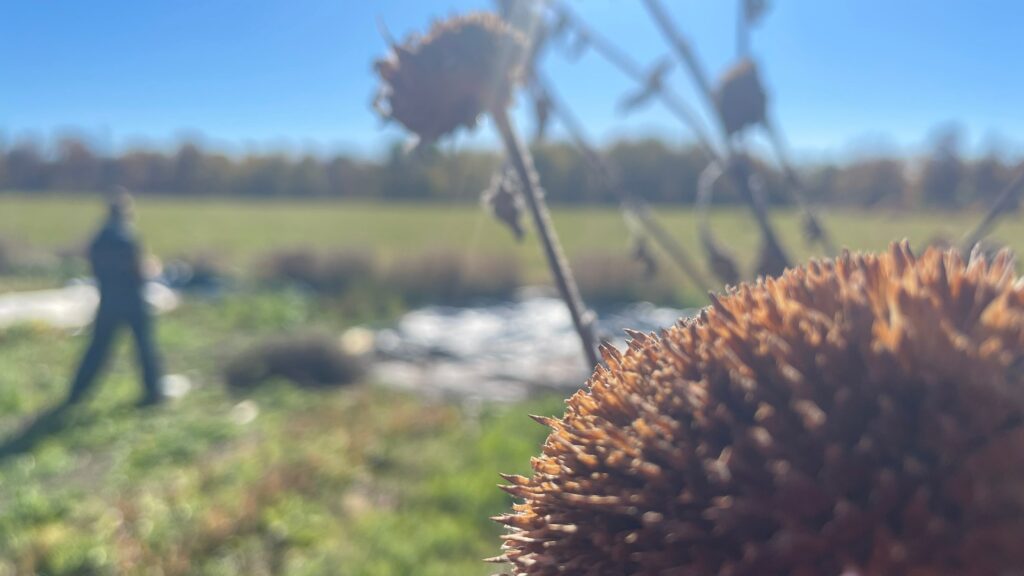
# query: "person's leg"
104,328
149,361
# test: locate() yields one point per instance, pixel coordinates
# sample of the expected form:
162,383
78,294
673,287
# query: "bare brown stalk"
749,12
722,264
522,162
742,32
737,169
667,243
632,204
682,50
618,58
813,228
635,210
1006,200
675,104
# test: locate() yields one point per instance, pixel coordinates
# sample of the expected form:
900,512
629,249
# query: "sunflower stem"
740,176
631,203
1003,203
522,162
618,58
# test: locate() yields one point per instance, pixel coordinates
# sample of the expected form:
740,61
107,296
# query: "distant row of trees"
651,168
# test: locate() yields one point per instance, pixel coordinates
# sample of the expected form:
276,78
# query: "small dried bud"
642,253
504,200
770,262
812,228
722,264
464,67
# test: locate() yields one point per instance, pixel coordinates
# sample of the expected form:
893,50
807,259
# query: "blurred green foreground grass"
357,480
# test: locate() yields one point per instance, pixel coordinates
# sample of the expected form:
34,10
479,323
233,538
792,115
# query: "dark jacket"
114,255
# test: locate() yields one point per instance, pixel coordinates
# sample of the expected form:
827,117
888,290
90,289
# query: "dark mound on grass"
313,360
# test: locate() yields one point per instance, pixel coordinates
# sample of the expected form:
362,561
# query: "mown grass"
243,232
356,480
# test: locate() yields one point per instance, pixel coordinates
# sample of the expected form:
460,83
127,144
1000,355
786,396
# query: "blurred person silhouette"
114,257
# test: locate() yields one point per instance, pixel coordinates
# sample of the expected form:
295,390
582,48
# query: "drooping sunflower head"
462,68
857,416
740,97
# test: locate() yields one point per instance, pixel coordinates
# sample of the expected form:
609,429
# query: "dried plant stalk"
750,12
465,67
631,68
1005,202
814,230
633,205
522,162
771,247
721,263
635,211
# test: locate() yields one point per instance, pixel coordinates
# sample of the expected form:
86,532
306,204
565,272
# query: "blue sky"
846,76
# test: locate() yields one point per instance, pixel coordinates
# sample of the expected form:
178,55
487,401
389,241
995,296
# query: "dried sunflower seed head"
463,68
857,416
740,97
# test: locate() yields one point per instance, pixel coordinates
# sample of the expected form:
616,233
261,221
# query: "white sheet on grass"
72,306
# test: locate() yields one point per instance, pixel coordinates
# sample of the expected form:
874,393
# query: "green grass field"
357,480
241,231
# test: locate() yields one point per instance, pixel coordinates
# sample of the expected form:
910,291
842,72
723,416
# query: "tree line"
659,172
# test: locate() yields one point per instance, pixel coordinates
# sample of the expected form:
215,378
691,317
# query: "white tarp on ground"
501,352
70,307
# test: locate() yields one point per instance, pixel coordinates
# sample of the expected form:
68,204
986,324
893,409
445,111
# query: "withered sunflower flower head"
861,416
740,97
464,67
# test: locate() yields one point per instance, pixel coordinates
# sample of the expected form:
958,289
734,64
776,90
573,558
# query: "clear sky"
845,75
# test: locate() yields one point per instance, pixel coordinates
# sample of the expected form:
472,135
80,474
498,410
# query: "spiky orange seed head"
856,416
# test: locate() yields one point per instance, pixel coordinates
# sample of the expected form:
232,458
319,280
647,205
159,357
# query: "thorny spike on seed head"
464,67
864,416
